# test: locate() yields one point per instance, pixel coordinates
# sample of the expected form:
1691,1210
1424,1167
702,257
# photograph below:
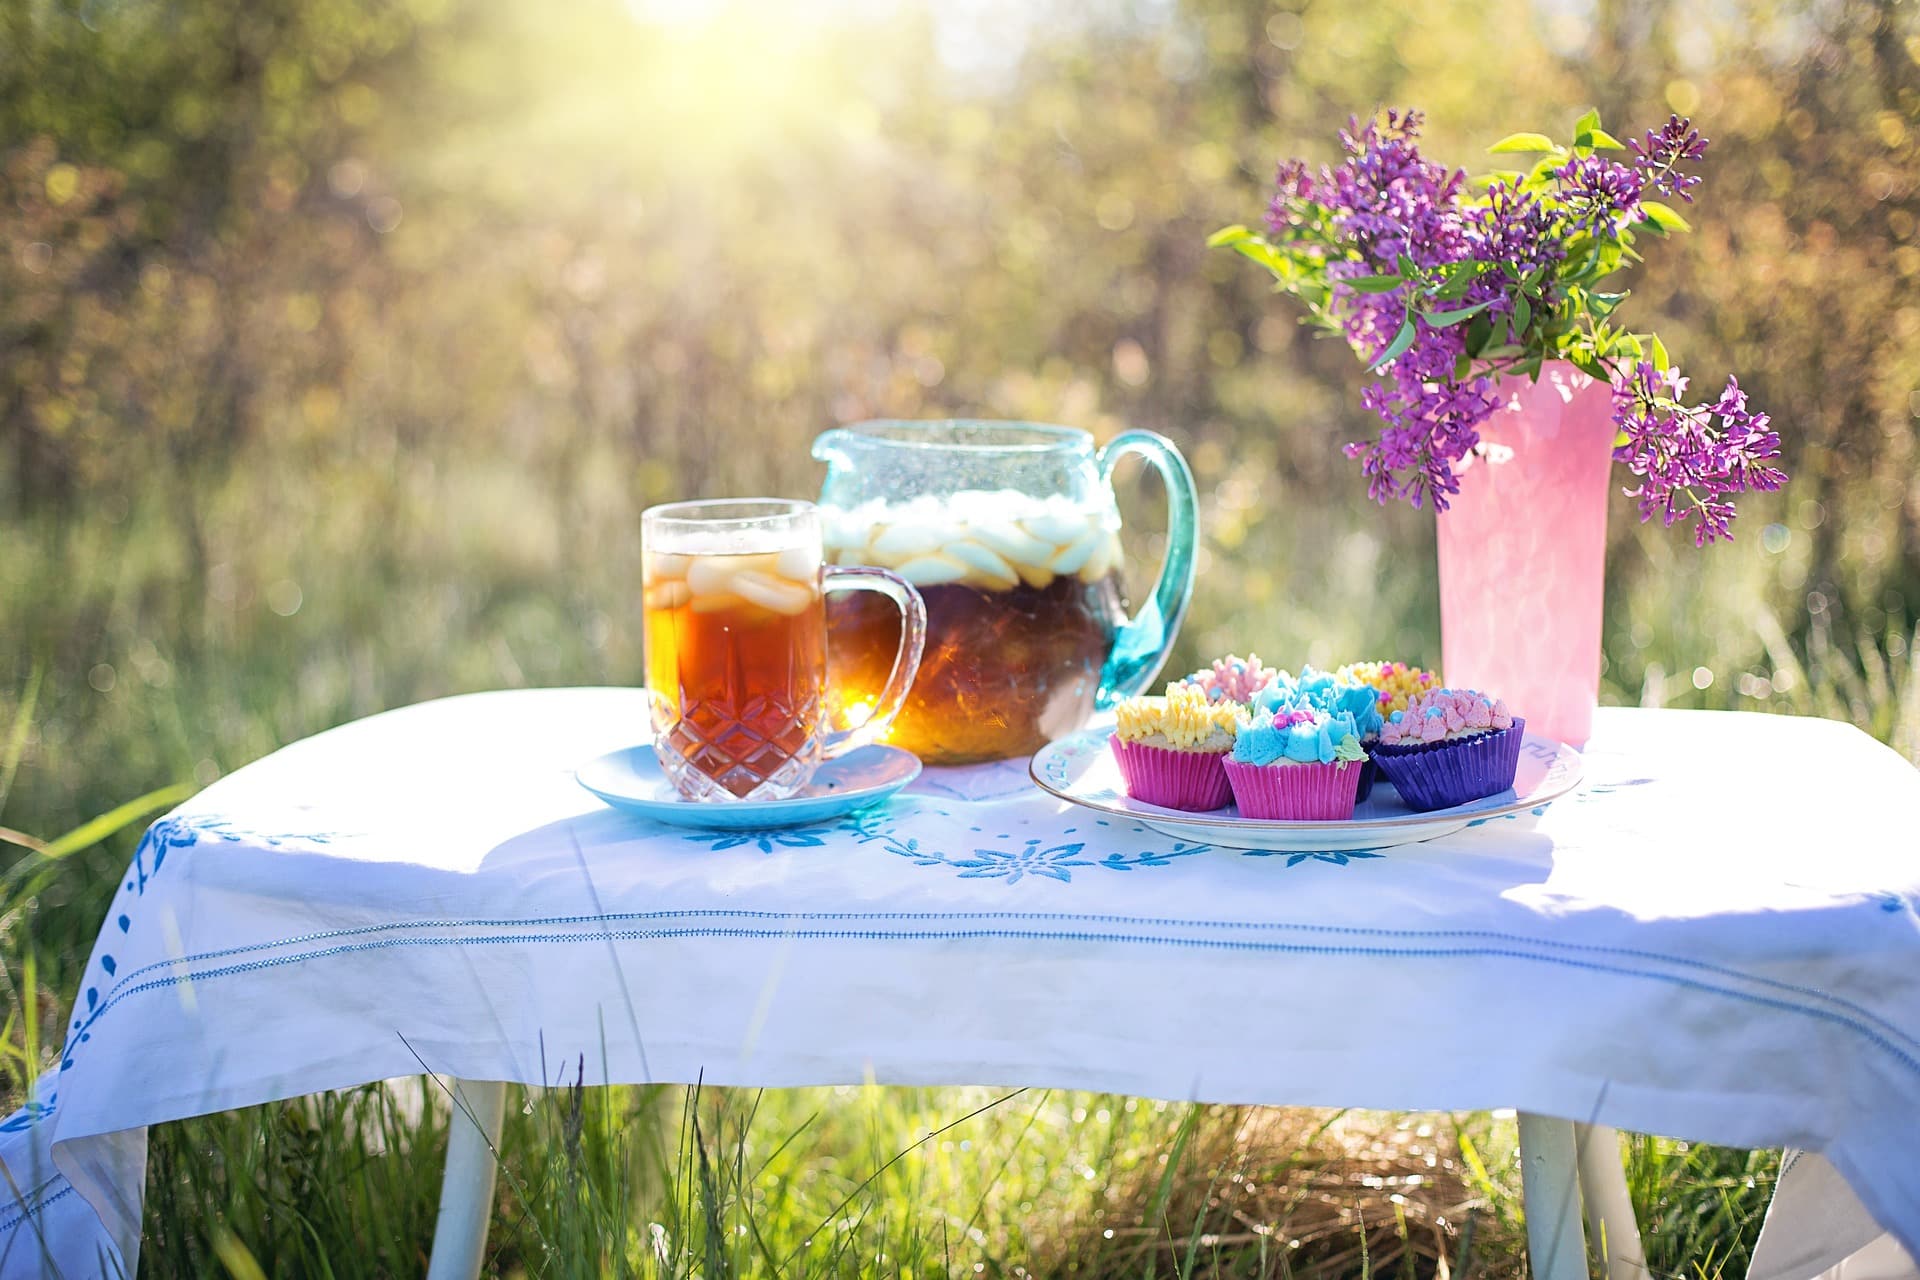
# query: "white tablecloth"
1717,938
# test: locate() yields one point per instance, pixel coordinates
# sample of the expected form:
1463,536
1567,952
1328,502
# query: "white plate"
1081,769
631,780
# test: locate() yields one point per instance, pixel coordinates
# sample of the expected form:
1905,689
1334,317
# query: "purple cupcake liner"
1190,780
1295,792
1369,774
1439,775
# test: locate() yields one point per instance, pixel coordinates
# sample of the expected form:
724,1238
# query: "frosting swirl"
1298,735
1232,679
1395,682
1183,720
1326,692
1444,715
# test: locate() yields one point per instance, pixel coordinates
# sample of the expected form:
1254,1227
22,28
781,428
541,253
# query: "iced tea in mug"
736,646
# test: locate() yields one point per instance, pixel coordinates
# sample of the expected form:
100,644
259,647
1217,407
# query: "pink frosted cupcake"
1233,679
1296,764
1450,746
1170,748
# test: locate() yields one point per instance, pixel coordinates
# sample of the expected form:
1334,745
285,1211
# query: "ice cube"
1078,552
1059,528
769,592
902,542
929,571
666,564
1037,576
983,562
670,594
1012,542
797,564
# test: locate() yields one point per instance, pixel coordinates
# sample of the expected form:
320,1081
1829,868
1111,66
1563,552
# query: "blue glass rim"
982,435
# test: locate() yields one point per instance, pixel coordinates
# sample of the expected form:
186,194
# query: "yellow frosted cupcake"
1170,748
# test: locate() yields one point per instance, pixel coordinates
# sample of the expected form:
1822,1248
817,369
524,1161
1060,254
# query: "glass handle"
1140,647
906,661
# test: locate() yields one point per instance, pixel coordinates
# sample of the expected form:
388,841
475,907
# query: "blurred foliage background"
343,341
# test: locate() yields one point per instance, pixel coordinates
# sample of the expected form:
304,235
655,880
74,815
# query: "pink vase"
1523,554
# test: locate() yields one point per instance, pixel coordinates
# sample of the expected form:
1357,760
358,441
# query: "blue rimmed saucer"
632,781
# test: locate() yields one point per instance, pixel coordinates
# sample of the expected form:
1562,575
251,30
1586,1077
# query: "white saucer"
631,780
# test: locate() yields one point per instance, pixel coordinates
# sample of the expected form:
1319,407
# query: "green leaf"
1522,142
1601,140
1401,341
1463,367
1502,351
1663,216
1544,169
1273,259
1659,352
1522,314
1588,122
1408,268
1373,284
1229,235
1441,319
1621,440
1589,364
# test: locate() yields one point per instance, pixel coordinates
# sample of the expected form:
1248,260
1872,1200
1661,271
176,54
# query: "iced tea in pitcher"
1023,600
1011,532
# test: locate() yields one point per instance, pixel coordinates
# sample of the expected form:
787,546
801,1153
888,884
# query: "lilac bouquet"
1442,284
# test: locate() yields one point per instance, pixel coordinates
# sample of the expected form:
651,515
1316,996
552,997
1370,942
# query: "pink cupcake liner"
1190,780
1295,792
1439,775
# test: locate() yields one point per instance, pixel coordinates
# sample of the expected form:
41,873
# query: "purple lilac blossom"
1658,161
1689,459
1384,206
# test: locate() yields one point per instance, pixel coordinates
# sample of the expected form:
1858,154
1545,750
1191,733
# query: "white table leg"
1603,1183
466,1189
1550,1186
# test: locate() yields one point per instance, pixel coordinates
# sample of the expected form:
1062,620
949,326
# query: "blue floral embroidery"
1337,857
166,835
177,831
1056,862
30,1113
766,841
871,823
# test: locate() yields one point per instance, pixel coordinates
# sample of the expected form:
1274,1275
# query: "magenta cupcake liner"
1295,792
1190,780
1439,775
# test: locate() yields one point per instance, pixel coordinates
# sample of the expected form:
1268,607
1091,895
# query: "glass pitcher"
1011,534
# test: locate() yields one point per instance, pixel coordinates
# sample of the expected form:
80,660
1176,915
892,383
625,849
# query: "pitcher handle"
1140,647
906,660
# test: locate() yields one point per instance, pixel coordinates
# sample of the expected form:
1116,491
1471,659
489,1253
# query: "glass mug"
736,646
1010,531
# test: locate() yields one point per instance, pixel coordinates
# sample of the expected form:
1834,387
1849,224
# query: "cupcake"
1450,746
1232,679
1297,764
1170,748
1333,694
1395,682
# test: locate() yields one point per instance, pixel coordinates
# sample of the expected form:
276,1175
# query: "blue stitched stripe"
930,935
31,1210
1631,953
